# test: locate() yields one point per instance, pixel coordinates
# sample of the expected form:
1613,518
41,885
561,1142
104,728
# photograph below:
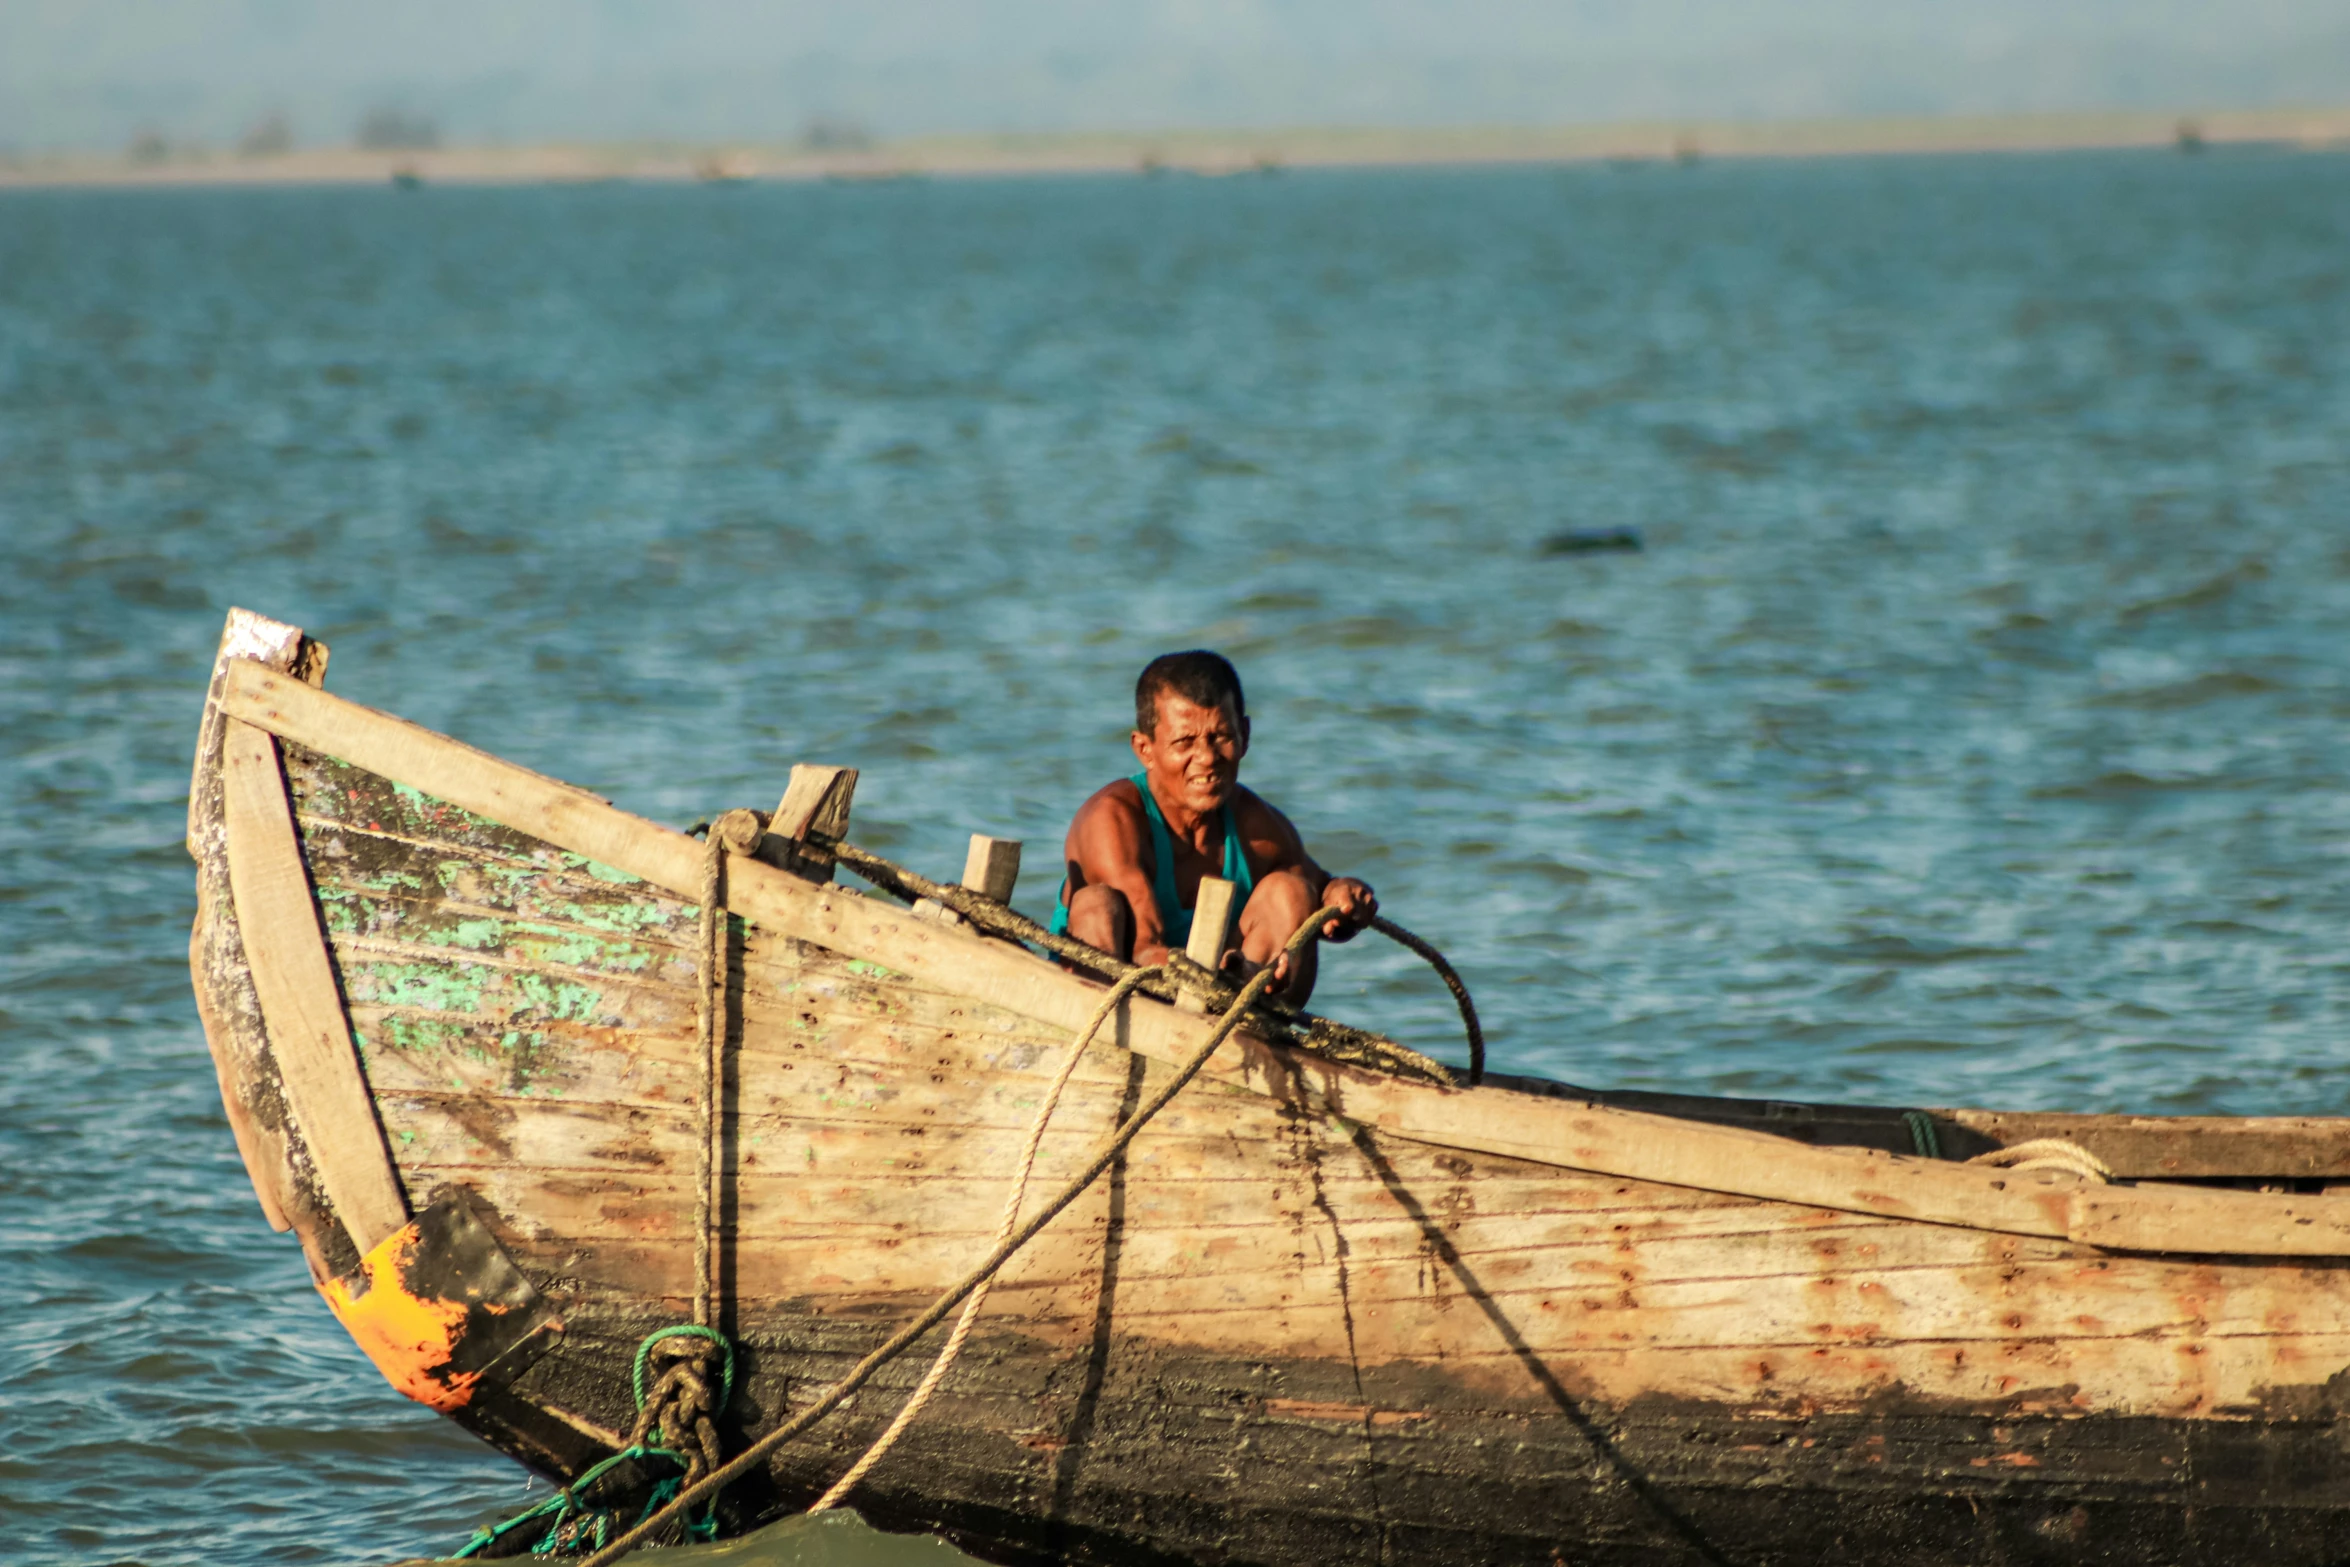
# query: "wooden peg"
816,803
1211,923
992,868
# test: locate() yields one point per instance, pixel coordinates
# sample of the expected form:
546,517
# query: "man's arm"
1275,844
1105,849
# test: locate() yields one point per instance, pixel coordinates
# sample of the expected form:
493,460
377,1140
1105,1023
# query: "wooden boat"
1318,1313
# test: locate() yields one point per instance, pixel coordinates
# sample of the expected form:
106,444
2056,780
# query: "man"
1138,848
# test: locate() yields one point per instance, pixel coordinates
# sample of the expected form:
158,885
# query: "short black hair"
1197,676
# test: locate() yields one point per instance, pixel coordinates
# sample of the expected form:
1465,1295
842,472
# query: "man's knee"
1284,893
1102,919
1276,906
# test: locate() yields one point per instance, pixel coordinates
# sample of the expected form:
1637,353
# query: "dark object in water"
407,179
1320,1316
1592,541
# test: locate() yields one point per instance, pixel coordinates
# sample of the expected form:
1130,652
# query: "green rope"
1921,1133
568,1507
570,1501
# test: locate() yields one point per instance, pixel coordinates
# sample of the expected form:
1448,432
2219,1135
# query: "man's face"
1193,753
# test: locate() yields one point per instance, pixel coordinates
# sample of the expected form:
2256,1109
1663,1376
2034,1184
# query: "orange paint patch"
410,1340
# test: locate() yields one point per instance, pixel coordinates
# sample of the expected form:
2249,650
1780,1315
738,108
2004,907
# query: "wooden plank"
1211,925
310,1039
265,641
815,804
992,867
234,1032
1542,1129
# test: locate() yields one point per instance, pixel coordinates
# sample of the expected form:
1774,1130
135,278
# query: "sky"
95,73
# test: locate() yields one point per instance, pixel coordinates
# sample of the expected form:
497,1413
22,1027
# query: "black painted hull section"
1131,1452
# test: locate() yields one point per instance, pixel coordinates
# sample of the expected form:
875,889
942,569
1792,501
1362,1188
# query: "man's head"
1191,727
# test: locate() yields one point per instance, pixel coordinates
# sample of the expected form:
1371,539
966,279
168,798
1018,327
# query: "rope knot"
691,1374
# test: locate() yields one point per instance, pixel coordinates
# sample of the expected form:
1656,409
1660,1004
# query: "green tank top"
1177,918
1235,869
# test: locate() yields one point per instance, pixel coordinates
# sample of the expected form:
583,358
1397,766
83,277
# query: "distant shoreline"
1186,152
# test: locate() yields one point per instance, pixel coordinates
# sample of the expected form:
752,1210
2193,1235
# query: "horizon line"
1186,150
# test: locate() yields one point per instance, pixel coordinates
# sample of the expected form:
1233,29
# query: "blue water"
1975,726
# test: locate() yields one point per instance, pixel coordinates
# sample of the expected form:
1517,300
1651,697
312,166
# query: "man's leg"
1101,918
1276,907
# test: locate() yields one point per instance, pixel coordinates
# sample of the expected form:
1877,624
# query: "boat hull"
1278,1330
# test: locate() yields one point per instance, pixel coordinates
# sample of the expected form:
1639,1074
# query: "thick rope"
1027,1161
710,1030
680,1410
2048,1153
1105,1156
1922,1136
1452,982
666,1423
1284,1024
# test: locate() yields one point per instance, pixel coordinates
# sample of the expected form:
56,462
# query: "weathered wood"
1211,926
262,1155
1557,1131
992,867
815,807
1279,1330
300,1001
2159,1147
234,1034
271,643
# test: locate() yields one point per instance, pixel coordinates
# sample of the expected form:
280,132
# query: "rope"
1104,1156
573,1519
1921,1133
2048,1153
709,1031
664,1420
1027,1161
1282,1023
1452,982
678,1411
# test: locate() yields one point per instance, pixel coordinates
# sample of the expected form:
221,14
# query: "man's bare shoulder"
1116,800
1270,835
1109,822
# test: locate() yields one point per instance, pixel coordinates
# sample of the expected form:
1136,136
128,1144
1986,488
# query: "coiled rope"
701,1491
2048,1153
1288,1025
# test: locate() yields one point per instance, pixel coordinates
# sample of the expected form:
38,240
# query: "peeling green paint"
601,871
433,987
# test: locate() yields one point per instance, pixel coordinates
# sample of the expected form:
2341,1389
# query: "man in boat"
1139,846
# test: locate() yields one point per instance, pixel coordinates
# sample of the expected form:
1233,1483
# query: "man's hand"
1356,904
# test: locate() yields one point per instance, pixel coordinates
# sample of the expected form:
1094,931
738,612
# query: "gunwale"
1568,1133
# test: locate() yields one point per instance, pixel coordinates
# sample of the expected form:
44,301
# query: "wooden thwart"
309,1036
1555,1131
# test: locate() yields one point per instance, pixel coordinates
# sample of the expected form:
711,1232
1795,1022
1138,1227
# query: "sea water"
1973,728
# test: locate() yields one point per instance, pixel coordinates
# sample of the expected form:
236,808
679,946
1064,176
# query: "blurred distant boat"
1319,1314
1592,541
407,179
